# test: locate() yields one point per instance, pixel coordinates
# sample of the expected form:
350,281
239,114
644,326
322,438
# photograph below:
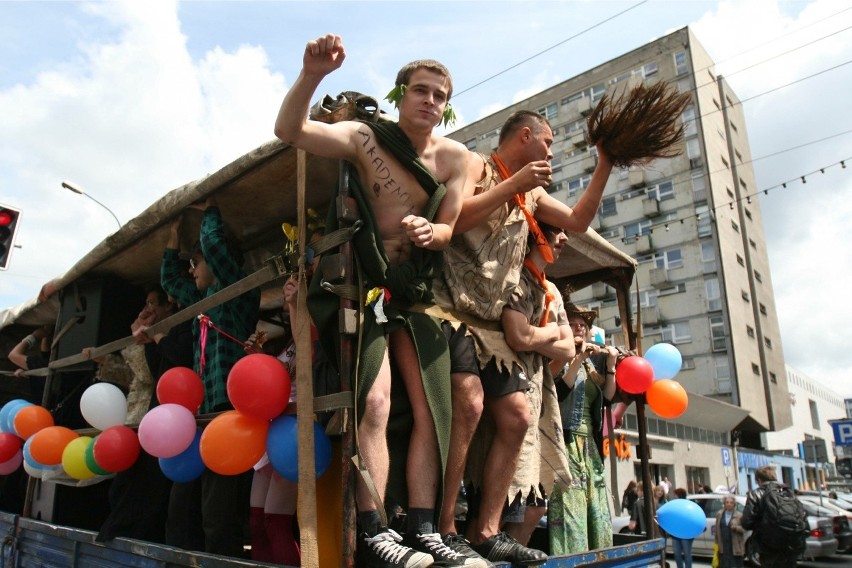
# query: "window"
549,112
733,126
576,126
748,213
471,144
699,186
762,309
578,183
755,368
680,62
773,378
723,374
693,150
734,226
767,342
725,163
717,333
720,133
662,191
638,228
708,256
702,215
597,91
714,296
649,69
676,332
608,207
814,414
740,260
669,259
750,331
753,244
689,125
684,85
739,156
647,298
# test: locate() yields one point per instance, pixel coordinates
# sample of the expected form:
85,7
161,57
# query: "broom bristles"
640,125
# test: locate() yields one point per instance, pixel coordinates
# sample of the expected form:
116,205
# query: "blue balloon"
682,518
282,447
665,359
187,465
28,457
8,413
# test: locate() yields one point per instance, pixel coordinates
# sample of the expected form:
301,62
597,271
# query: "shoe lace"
386,545
433,542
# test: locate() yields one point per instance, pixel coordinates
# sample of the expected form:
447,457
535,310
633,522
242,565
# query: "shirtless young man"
482,267
398,200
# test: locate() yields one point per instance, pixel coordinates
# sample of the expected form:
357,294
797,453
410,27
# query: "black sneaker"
503,548
431,544
386,551
460,545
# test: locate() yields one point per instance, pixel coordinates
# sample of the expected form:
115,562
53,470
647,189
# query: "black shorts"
500,382
462,349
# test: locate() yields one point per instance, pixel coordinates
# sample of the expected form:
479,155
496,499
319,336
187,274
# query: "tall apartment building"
692,222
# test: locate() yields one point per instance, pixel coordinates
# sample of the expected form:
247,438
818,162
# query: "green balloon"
90,459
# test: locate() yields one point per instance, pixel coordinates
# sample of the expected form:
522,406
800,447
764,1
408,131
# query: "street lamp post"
71,187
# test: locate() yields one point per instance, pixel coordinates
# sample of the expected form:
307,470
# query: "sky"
129,100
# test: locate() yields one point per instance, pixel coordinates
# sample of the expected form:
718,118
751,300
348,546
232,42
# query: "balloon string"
205,322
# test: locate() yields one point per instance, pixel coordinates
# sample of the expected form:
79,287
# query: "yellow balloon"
74,458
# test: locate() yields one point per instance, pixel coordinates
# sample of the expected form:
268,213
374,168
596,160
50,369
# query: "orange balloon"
233,442
31,419
49,443
667,398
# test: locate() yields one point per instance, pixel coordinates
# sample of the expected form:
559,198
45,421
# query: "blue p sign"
842,432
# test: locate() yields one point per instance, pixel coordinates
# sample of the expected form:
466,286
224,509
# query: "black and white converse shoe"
385,550
432,544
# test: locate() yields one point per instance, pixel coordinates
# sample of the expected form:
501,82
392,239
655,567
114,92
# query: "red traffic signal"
8,224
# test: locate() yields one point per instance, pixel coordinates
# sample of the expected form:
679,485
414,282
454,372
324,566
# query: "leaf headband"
395,96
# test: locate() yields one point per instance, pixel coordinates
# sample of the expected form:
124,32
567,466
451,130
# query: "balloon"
167,430
31,419
187,465
48,444
259,386
116,449
282,447
90,459
33,471
12,463
183,386
682,518
667,398
74,458
8,413
103,405
28,457
634,374
9,444
233,442
665,360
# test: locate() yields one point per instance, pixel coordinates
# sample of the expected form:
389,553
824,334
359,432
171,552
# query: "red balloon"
9,445
667,398
634,374
116,448
259,386
31,419
48,444
233,442
183,386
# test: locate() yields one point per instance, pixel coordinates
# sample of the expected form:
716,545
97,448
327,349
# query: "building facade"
693,222
703,283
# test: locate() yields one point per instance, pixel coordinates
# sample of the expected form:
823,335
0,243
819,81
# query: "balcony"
636,178
587,163
644,245
659,277
577,139
599,290
650,207
584,106
651,315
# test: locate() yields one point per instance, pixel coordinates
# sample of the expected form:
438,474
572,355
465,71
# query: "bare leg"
512,418
423,461
371,437
467,410
523,531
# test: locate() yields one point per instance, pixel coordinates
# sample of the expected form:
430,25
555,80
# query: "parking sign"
842,432
726,457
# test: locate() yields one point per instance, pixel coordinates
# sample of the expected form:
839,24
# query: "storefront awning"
708,413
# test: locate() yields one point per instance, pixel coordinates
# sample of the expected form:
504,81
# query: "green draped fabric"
409,282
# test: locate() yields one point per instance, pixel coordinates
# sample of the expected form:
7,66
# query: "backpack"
783,523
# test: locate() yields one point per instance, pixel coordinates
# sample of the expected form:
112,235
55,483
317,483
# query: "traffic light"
8,224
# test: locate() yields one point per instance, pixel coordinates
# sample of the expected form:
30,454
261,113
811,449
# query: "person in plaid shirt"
215,264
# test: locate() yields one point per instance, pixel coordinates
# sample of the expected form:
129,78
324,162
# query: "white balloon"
103,405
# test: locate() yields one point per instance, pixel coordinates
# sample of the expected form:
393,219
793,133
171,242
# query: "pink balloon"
167,430
12,464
